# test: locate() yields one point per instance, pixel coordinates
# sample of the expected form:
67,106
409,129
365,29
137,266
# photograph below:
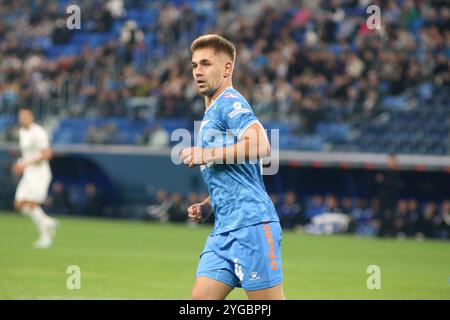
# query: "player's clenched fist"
200,211
18,168
195,212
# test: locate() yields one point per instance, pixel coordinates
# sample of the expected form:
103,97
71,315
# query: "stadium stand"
315,71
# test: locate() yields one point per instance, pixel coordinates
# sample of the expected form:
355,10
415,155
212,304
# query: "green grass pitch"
135,260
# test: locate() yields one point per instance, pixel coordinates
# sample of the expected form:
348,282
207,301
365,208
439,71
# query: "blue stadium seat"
333,132
6,120
57,51
41,43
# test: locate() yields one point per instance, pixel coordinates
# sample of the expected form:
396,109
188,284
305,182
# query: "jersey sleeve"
237,116
42,141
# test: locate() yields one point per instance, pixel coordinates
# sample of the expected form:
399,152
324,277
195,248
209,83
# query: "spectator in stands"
315,207
369,104
363,220
177,209
442,71
330,221
290,212
400,219
429,221
95,135
388,187
310,114
263,99
347,205
116,8
103,20
108,134
131,37
131,34
414,215
443,221
144,139
93,201
331,204
159,209
156,137
111,134
58,200
61,34
375,221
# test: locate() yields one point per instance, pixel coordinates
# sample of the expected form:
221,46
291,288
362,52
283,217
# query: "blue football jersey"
238,195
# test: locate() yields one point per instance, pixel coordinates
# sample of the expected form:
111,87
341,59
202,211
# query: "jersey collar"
214,102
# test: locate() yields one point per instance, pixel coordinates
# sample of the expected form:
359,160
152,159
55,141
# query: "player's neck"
209,100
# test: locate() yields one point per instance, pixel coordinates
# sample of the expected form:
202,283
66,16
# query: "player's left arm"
252,145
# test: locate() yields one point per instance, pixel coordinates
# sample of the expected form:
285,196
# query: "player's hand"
18,168
195,212
193,156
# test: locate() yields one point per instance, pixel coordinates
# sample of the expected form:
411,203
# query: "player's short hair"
392,155
216,42
26,108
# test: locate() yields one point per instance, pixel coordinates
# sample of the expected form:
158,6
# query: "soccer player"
243,249
36,177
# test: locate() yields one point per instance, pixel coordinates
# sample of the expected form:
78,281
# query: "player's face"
209,69
26,118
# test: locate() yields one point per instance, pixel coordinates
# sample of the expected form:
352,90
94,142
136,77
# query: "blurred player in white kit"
36,177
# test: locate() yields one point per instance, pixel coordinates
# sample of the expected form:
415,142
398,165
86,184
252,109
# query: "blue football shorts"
248,258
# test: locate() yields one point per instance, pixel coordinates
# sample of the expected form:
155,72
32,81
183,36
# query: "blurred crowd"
408,219
385,214
314,57
97,82
162,206
89,201
365,218
298,61
153,135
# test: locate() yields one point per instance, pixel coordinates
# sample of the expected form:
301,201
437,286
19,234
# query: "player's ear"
228,69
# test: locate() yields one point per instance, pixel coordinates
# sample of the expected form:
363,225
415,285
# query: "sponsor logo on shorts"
268,234
254,276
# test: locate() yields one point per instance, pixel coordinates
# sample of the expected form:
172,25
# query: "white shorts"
33,188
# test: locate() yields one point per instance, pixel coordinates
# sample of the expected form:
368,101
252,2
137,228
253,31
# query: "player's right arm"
199,212
45,155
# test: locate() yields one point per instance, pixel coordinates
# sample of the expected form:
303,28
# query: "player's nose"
198,72
198,76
